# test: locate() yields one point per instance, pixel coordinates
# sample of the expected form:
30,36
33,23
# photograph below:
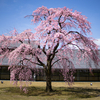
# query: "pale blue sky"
12,13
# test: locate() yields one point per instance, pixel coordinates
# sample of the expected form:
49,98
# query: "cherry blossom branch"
28,38
41,63
21,41
44,50
61,59
31,61
59,21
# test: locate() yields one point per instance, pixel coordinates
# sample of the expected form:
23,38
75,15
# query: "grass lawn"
36,91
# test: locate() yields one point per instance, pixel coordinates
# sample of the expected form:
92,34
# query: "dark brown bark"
48,82
48,78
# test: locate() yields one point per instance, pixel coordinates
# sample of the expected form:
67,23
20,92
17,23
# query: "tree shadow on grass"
82,92
61,91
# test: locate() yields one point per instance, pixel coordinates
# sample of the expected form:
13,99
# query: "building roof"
82,64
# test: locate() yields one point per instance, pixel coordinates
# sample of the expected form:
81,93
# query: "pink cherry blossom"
59,32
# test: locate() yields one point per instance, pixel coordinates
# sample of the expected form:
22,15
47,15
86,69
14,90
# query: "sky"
12,13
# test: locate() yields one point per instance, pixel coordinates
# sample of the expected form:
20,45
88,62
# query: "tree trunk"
48,78
48,82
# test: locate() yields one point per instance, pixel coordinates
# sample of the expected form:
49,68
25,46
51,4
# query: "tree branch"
21,41
55,62
30,61
41,63
28,38
59,21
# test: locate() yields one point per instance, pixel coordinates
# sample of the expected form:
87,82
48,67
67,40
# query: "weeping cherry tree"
59,31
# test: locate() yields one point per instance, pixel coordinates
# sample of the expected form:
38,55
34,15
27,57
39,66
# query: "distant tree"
59,31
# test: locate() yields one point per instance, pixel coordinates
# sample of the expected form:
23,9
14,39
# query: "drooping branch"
55,62
4,49
63,58
30,61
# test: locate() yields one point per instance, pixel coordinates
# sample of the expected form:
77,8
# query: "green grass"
36,91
